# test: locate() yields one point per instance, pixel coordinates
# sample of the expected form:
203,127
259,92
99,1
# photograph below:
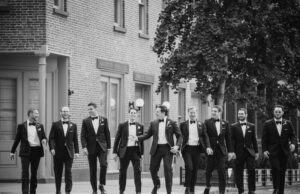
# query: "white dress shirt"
279,126
131,132
65,127
193,134
218,127
162,132
96,124
32,135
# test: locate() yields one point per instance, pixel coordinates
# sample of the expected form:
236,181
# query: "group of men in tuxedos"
63,145
214,137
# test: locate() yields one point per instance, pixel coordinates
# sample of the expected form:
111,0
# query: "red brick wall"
23,26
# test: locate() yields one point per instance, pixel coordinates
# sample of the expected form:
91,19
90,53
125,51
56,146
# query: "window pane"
117,10
33,99
8,108
103,99
114,107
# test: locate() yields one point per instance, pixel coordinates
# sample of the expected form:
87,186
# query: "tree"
231,48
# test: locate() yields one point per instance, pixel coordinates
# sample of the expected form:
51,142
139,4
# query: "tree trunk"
221,92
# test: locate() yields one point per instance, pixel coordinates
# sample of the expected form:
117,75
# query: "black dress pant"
33,160
191,157
217,160
162,153
278,168
102,156
58,169
239,171
133,156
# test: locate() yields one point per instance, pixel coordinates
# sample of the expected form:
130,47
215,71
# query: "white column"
42,54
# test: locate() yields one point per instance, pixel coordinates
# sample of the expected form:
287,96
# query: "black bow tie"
216,120
133,123
191,122
243,124
161,120
278,122
93,118
65,122
32,124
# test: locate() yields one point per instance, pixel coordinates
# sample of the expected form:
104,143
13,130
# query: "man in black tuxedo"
244,143
33,142
163,147
62,143
129,150
195,141
95,140
278,140
220,141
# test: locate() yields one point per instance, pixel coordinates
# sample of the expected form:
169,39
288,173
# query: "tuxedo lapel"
126,130
91,124
240,131
213,125
274,127
61,128
25,132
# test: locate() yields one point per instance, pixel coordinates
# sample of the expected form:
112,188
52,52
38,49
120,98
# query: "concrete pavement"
112,187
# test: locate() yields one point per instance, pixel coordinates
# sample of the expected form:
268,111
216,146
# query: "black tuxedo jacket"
121,139
89,138
58,140
171,130
239,141
202,134
272,142
22,136
223,140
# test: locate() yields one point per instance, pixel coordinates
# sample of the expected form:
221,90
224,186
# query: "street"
112,187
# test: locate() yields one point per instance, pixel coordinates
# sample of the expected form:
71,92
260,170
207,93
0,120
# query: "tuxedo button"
217,142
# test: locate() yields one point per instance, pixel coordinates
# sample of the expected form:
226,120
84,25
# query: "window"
165,93
144,19
60,7
4,5
8,108
181,105
119,16
110,102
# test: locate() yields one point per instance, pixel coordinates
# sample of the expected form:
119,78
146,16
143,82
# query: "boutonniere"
139,127
71,125
38,126
284,123
247,127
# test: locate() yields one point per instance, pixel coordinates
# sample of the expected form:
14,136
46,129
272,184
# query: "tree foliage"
236,50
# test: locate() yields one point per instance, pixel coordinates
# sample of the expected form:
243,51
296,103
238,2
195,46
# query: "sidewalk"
112,187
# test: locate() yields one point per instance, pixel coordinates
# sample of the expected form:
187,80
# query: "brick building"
59,52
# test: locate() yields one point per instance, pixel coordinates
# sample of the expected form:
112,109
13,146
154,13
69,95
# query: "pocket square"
285,129
102,124
249,131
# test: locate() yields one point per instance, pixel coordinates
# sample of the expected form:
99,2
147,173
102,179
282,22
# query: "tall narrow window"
8,108
144,17
181,104
120,13
60,7
110,102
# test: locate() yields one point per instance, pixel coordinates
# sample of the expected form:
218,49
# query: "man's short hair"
279,106
93,104
218,107
192,108
131,108
243,109
30,111
64,107
163,109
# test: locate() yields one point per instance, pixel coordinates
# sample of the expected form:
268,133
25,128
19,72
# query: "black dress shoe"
251,192
154,190
276,191
187,191
121,192
68,192
138,192
102,190
94,192
206,191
